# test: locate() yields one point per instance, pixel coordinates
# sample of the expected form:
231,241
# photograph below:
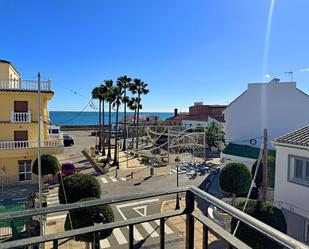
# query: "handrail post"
189,220
55,244
131,241
205,236
162,235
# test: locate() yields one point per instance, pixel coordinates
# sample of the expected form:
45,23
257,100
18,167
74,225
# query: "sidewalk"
179,222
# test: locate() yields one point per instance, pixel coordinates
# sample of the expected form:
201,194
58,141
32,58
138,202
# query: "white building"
195,122
292,181
278,106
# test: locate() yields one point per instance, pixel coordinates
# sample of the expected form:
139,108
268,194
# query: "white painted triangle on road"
143,211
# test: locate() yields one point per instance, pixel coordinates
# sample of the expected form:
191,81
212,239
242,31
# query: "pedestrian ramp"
141,231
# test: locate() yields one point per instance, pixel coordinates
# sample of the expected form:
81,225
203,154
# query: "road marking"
104,243
166,228
52,198
150,230
104,180
134,204
136,233
141,213
19,199
171,173
123,179
113,179
174,170
119,236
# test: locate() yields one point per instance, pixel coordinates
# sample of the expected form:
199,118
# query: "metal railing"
27,85
10,145
21,117
189,211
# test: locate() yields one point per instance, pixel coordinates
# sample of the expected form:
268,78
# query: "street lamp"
177,160
98,219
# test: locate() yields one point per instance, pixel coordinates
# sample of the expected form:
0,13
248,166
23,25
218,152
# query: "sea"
92,118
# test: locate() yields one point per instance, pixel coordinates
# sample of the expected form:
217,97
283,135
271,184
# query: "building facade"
198,112
278,106
292,181
19,120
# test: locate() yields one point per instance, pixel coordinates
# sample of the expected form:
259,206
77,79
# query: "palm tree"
140,88
132,104
95,95
102,95
124,82
117,95
110,99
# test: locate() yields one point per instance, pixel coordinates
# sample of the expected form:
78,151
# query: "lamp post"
177,160
97,220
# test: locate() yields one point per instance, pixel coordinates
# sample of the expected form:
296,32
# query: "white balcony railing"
11,145
28,85
21,117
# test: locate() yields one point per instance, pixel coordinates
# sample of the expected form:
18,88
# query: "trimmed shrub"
265,212
235,178
87,215
77,187
49,165
271,172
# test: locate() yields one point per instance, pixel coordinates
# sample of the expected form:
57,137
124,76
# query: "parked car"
68,140
67,168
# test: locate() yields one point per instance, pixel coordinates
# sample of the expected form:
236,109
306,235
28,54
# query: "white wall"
236,159
279,107
289,195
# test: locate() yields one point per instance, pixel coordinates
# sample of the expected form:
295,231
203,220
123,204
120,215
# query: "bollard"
151,171
132,174
116,173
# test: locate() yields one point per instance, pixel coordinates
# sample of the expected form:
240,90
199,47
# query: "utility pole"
39,153
265,166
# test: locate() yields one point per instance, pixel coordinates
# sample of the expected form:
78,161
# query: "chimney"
175,112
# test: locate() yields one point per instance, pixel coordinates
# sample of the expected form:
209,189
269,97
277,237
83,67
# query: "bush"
235,178
145,160
77,187
49,165
265,212
271,172
87,220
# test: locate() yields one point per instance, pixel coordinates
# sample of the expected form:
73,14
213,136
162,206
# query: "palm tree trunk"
137,121
116,163
100,123
103,132
110,130
125,122
132,132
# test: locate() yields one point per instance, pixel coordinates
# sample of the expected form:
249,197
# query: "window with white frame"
299,170
306,239
25,173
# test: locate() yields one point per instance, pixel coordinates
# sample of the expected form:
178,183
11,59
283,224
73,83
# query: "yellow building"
19,125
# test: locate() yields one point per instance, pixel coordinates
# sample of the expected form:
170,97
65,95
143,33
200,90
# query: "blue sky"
185,50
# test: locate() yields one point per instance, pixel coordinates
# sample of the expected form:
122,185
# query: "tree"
271,172
87,220
102,93
214,132
109,99
78,186
140,88
124,82
95,95
132,104
49,165
235,178
117,97
264,212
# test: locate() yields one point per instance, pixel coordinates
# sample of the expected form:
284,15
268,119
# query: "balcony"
11,145
21,117
24,85
192,213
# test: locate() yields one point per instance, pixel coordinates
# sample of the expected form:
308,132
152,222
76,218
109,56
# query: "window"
24,168
299,170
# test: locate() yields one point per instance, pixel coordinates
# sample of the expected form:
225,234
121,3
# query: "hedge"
49,165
